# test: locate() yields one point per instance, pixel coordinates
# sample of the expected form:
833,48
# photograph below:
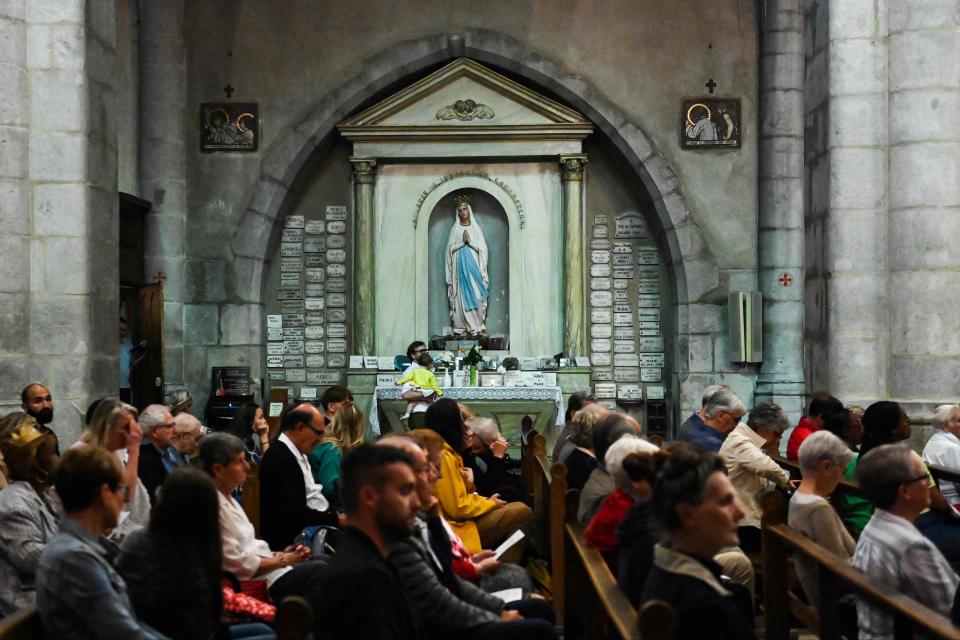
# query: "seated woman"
847,426
113,426
28,515
629,465
751,470
172,568
696,504
251,427
480,522
579,455
823,460
599,484
288,572
343,434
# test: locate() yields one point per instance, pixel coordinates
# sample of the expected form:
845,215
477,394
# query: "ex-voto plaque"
600,315
601,298
313,332
599,257
314,346
600,331
291,264
314,304
601,359
600,270
336,255
337,285
336,212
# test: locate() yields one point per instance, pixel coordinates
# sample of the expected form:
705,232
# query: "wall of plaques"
308,315
627,283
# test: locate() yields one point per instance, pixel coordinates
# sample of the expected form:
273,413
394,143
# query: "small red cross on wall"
160,277
785,279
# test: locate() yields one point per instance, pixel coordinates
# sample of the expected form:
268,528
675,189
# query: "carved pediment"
465,102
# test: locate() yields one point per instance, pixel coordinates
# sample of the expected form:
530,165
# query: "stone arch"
694,268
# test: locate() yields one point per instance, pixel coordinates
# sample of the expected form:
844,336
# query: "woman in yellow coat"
482,523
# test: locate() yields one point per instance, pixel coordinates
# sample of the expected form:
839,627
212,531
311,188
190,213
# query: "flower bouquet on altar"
472,360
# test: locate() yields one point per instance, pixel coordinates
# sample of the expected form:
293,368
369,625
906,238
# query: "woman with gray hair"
823,460
943,448
751,470
578,452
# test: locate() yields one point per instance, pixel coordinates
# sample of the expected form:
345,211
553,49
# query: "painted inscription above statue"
468,283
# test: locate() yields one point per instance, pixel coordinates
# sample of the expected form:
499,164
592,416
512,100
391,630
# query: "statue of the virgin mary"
468,284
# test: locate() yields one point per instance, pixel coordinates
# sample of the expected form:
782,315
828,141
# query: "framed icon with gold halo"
710,123
229,126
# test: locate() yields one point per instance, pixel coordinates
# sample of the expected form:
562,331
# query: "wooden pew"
779,540
22,625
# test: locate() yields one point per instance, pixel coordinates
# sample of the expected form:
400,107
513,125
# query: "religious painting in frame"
710,123
229,126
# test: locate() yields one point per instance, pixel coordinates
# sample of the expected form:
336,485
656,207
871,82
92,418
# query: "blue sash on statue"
470,278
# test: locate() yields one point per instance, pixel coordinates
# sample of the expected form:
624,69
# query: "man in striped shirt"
891,550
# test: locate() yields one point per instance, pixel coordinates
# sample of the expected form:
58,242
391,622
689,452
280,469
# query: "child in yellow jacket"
424,378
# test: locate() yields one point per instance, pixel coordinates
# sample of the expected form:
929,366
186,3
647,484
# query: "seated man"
359,595
187,435
943,448
891,550
332,399
158,457
37,402
79,594
720,412
290,499
494,471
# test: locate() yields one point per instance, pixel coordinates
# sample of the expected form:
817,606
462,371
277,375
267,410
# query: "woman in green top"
846,425
344,433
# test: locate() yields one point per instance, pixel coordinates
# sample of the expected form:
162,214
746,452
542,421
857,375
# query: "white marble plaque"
315,290
624,346
336,226
648,286
602,375
628,374
290,249
291,306
600,315
314,346
629,392
314,260
651,271
291,235
600,271
292,347
337,285
622,260
648,332
336,270
601,359
337,346
314,245
622,307
650,344
624,333
623,272
275,361
277,375
296,375
289,293
314,227
274,321
601,298
630,225
292,319
601,231
337,360
315,361
386,379
645,301
623,247
324,378
626,360
293,362
274,333
338,330
315,317
337,315
650,375
621,296
337,300
291,264
307,393
290,279
621,284
314,332
651,359
336,255
275,348
600,284
336,242
600,218
314,304
293,222
600,331
623,319
600,245
648,314
293,333
656,393
648,324
648,257
336,212
315,275
601,345
605,390
600,257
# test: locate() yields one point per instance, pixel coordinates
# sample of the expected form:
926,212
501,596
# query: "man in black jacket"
494,471
290,499
359,595
158,457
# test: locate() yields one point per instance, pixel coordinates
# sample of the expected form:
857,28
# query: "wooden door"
146,363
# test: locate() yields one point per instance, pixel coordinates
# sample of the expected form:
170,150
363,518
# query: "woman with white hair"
943,448
823,460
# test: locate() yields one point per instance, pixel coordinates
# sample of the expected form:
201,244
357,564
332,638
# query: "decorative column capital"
364,169
571,167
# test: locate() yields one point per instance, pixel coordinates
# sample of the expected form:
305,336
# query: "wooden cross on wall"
229,91
711,85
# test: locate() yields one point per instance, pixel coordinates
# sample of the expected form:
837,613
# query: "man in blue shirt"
720,412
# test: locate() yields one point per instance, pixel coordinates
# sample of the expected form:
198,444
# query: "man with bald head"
290,499
37,402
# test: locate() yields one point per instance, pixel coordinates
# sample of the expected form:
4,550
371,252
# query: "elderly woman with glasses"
28,515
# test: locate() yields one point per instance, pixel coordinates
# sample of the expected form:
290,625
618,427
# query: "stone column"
780,214
163,176
571,176
364,311
924,201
